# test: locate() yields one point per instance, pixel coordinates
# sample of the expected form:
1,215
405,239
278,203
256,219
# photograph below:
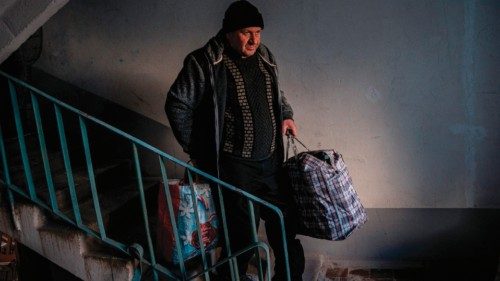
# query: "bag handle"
188,175
291,140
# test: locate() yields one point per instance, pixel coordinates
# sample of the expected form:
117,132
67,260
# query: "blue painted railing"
134,250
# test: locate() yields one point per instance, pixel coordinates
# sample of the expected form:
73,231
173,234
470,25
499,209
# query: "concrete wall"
406,90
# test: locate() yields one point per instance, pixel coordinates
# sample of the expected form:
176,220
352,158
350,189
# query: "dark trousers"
262,179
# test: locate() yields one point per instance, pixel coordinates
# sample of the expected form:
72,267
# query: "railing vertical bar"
10,196
198,226
255,236
90,171
4,159
171,213
233,264
22,142
67,164
43,150
268,263
140,185
285,246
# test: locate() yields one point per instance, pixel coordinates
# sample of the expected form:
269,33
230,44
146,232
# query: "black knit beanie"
241,14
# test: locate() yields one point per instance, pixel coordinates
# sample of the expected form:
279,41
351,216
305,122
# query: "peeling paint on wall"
373,94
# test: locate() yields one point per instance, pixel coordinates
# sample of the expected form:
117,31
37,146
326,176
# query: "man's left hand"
289,127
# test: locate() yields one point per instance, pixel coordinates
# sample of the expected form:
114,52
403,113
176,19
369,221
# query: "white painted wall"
408,91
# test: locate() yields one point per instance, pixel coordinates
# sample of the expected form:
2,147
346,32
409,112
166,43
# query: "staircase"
53,237
77,191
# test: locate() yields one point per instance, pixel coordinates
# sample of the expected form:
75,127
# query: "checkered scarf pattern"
328,205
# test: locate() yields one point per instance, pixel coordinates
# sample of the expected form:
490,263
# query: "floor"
321,268
475,270
367,274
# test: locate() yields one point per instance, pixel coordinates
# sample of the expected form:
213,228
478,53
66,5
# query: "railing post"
285,246
171,213
255,237
90,171
67,165
233,262
144,209
198,227
43,150
14,215
22,142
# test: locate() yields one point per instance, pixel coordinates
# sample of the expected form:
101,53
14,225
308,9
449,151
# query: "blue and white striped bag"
328,206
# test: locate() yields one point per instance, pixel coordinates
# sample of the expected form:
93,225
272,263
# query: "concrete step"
13,150
87,258
114,172
107,267
16,167
66,245
36,165
106,176
114,202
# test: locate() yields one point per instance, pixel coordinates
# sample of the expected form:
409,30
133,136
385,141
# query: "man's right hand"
289,127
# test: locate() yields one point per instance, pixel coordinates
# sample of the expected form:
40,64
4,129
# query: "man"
227,112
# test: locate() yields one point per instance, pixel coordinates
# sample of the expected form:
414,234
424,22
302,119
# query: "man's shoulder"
212,51
196,54
266,54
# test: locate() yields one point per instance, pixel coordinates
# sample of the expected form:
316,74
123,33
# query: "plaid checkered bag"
327,203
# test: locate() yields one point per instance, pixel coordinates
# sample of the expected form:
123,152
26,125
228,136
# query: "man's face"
245,41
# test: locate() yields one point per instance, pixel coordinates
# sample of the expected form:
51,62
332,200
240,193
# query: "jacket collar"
215,48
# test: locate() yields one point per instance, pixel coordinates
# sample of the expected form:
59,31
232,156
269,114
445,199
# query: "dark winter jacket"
196,101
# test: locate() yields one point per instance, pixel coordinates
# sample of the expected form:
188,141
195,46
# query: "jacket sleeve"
286,109
183,98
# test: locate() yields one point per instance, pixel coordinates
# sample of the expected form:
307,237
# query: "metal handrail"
83,118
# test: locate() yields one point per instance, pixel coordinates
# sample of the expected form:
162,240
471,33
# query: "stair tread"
80,175
55,226
105,252
13,150
111,199
53,157
80,178
58,171
29,137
